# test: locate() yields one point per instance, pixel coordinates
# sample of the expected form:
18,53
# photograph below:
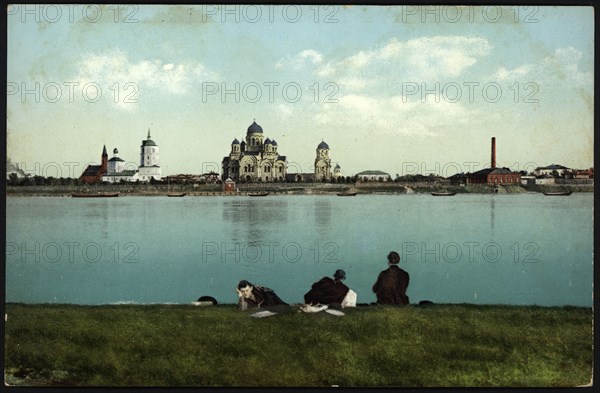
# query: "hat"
339,274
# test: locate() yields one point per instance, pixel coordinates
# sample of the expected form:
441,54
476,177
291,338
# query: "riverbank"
287,189
414,346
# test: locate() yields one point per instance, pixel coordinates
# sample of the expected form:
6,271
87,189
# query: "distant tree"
13,179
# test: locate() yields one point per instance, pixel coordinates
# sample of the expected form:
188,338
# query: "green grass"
158,345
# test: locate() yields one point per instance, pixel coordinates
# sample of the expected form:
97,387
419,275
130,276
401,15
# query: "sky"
415,89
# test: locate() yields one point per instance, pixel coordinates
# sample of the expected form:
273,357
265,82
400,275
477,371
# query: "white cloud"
284,111
564,65
300,60
116,67
506,74
561,66
395,115
423,58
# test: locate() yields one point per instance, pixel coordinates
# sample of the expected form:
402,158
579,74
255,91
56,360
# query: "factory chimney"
493,152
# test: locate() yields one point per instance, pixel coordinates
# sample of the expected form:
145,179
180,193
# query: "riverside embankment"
287,188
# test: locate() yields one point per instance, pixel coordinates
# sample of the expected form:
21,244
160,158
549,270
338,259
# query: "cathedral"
254,159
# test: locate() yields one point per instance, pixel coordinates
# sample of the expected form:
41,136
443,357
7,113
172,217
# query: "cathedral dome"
148,142
116,151
274,143
235,142
268,142
323,145
254,128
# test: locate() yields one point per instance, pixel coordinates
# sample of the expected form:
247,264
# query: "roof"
323,145
235,142
273,142
255,128
104,153
282,158
116,159
148,142
268,141
370,172
494,171
553,166
92,170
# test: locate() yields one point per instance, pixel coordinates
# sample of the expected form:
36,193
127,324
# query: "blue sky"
523,75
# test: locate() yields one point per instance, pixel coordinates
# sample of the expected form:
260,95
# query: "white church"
149,165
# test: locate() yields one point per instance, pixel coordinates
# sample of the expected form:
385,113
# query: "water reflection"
492,210
250,217
97,213
322,214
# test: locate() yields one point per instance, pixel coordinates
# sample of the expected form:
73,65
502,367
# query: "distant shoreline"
375,188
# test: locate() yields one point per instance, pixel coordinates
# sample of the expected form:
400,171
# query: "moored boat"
176,194
347,193
560,193
443,193
257,194
98,195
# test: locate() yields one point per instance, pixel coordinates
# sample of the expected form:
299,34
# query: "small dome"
268,141
323,145
274,143
235,142
243,143
116,151
148,142
254,128
337,166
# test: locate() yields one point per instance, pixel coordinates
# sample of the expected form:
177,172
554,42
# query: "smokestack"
493,152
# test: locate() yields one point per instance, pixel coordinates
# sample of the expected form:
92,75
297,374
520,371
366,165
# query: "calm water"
483,249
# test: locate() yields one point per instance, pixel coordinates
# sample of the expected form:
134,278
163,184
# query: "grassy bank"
159,345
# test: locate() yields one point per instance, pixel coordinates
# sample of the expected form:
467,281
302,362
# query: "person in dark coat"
328,290
254,296
391,284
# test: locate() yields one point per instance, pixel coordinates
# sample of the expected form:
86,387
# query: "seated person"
391,284
254,296
328,291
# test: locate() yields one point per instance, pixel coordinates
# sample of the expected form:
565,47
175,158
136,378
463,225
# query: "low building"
551,170
229,185
494,176
545,179
584,173
307,177
527,180
373,175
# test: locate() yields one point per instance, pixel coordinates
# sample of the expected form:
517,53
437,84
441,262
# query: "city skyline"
407,87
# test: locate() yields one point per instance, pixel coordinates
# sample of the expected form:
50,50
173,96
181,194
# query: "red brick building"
494,175
93,173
